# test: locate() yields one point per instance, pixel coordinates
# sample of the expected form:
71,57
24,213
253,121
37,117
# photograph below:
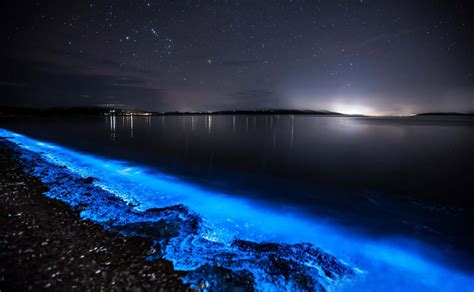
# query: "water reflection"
325,164
148,121
233,124
209,124
360,153
111,123
430,157
292,132
131,126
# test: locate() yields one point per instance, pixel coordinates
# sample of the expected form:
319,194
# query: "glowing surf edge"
255,221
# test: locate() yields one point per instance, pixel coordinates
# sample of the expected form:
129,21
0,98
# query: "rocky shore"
44,244
128,244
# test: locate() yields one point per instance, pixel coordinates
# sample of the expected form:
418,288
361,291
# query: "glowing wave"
240,235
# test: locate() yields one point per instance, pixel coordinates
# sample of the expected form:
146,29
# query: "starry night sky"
353,56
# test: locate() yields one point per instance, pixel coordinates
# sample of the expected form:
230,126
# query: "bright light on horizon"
354,109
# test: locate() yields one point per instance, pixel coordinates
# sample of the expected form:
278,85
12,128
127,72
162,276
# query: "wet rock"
88,180
284,258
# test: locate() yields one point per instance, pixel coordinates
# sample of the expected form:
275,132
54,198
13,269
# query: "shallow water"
399,239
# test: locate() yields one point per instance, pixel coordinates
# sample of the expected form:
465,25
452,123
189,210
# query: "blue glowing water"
200,230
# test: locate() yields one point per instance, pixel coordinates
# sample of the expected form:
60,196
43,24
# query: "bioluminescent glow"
204,231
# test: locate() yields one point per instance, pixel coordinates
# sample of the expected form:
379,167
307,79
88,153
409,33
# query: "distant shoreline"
100,111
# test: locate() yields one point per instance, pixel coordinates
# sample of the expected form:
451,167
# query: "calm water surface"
384,176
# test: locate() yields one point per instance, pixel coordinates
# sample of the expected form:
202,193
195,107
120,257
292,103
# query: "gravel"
45,245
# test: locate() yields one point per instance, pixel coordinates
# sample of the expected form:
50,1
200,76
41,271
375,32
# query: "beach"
76,220
46,245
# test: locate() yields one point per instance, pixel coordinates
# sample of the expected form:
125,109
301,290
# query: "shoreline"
125,199
45,243
178,234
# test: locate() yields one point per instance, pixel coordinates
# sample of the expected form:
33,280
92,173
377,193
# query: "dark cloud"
45,84
257,98
129,81
253,94
94,60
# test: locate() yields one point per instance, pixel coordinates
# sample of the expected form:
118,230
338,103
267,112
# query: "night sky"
352,56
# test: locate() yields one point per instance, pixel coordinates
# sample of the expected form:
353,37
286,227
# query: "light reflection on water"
416,174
